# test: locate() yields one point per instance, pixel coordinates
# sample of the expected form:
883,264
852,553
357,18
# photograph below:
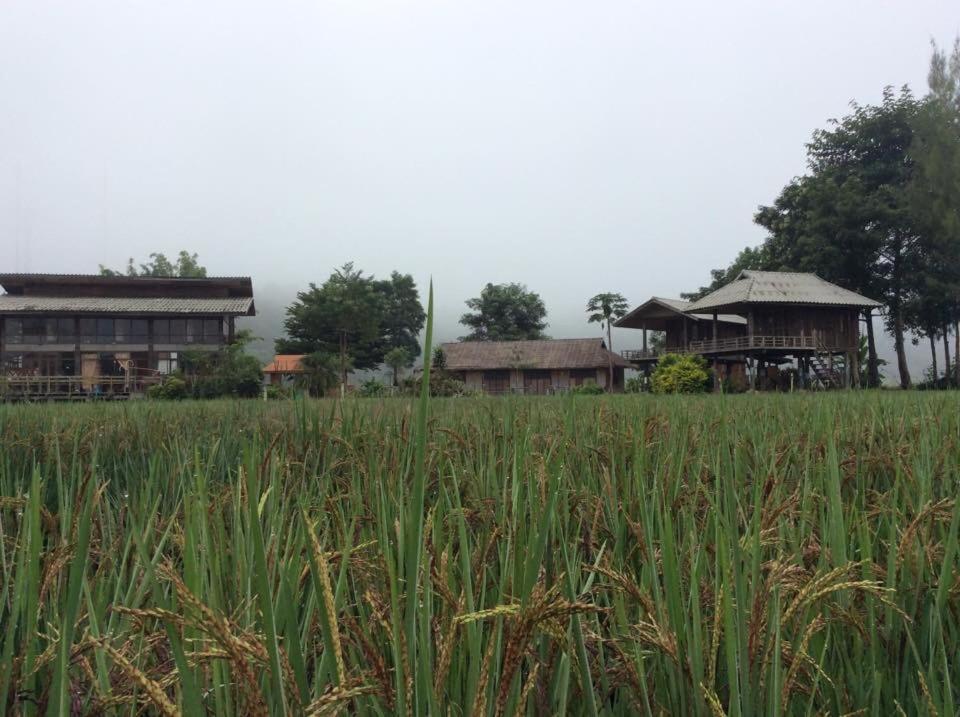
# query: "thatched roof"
546,354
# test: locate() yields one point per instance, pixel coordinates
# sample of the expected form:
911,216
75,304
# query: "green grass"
744,555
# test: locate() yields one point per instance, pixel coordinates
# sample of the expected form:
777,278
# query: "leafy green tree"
398,358
680,373
505,312
343,317
356,317
935,203
187,266
604,309
321,372
403,315
850,220
229,372
372,388
818,224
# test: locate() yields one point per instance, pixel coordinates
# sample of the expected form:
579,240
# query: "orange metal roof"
285,363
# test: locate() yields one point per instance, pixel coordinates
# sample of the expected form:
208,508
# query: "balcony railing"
26,386
750,343
649,354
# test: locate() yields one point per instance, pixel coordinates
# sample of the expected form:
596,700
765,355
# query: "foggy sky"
575,147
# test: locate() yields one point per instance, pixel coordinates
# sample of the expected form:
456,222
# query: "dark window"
88,331
161,331
34,330
194,331
104,331
122,329
211,331
110,365
178,331
13,330
67,331
496,381
139,331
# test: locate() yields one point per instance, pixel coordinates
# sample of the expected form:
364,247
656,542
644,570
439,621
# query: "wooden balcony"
54,388
754,343
639,355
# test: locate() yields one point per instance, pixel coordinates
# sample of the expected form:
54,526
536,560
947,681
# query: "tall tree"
850,220
817,224
403,315
341,317
186,266
935,200
505,312
604,309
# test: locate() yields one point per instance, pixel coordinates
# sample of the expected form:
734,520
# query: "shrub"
172,389
634,385
442,384
372,388
590,388
680,373
278,393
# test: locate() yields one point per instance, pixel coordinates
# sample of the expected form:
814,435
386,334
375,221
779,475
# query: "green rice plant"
588,555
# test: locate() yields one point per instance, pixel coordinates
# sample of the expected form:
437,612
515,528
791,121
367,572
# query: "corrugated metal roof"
45,276
677,305
123,305
545,354
285,363
780,287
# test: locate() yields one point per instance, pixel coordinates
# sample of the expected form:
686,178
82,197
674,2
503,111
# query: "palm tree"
398,358
603,309
321,372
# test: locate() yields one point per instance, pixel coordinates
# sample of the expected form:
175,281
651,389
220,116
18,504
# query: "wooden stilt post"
716,364
644,340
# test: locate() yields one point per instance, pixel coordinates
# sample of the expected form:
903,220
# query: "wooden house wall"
699,331
833,327
559,379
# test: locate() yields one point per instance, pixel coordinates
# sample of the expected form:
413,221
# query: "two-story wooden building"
766,319
80,335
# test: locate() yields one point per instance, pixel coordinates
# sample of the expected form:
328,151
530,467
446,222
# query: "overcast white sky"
575,147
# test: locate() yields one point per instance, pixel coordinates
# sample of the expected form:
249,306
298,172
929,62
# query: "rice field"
624,555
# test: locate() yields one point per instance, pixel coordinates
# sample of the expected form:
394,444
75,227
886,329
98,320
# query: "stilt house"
785,318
